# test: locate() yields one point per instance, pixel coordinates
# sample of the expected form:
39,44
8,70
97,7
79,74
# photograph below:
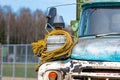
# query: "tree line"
22,27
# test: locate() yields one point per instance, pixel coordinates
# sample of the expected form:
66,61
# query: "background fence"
18,62
0,62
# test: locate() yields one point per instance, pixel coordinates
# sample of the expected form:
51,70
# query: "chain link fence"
18,62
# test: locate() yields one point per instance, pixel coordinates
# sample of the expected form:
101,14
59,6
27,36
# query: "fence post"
0,61
26,63
14,62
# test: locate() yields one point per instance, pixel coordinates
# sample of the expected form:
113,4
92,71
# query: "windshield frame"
105,5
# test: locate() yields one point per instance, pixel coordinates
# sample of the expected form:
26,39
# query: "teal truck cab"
96,56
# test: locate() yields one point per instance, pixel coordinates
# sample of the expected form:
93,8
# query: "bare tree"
25,22
31,26
39,20
24,27
12,30
2,26
7,16
10,24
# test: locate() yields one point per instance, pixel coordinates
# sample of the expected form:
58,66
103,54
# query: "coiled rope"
40,48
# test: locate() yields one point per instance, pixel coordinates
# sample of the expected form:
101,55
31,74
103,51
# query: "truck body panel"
100,49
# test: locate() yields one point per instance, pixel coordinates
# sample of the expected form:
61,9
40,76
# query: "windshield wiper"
87,35
101,35
108,34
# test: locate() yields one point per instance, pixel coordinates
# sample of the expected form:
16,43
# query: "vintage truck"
96,55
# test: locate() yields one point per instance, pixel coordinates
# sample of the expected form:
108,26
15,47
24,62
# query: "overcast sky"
68,14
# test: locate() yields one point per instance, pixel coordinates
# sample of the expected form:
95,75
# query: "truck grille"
97,74
89,78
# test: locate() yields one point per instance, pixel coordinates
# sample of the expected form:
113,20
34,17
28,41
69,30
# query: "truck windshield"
97,21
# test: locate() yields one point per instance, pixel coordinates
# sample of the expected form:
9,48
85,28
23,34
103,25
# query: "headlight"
52,75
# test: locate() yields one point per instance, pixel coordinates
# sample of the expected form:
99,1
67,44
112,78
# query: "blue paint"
102,49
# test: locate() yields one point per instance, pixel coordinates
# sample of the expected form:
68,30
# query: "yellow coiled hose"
40,48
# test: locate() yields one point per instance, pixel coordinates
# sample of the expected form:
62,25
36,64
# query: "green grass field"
19,70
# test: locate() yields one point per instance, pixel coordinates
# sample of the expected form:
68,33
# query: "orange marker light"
52,75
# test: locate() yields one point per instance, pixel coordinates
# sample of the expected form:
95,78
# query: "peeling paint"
67,71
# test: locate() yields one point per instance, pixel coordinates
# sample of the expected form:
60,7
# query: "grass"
19,70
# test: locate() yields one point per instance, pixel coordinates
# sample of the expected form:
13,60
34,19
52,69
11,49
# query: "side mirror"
51,15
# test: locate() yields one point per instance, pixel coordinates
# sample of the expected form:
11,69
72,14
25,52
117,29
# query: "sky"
34,4
42,5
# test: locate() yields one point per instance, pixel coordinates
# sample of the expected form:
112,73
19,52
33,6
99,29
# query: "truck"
96,53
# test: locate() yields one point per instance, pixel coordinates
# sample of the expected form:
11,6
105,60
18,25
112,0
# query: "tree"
39,21
7,17
22,28
2,26
24,24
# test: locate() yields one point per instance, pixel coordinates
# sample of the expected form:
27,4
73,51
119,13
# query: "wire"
62,5
40,50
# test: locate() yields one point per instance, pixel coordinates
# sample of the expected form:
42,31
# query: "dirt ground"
9,78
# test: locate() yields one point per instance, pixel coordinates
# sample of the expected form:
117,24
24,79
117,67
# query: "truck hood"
102,49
